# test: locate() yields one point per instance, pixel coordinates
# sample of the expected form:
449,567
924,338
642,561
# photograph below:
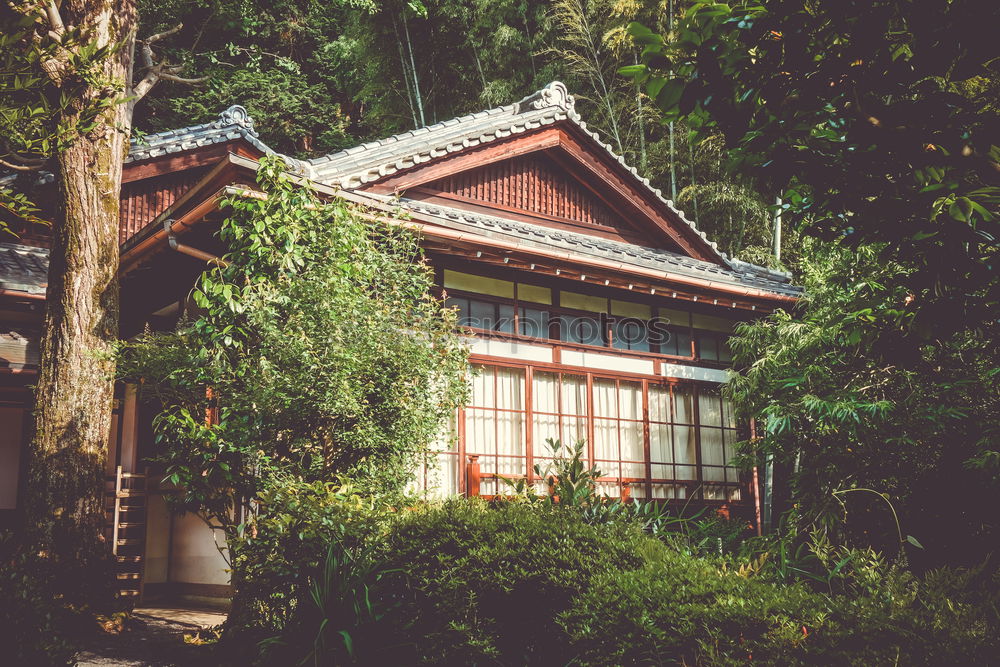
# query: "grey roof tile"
23,268
626,253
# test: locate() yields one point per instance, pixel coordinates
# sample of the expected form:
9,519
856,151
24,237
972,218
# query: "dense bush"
530,584
34,623
519,583
283,550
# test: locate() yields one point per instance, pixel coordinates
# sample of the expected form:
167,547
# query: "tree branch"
55,20
162,71
21,167
177,79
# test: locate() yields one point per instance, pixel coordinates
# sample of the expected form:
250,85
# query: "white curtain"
606,427
685,455
494,422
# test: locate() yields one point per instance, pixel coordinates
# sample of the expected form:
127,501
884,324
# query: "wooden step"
131,524
128,593
130,541
121,558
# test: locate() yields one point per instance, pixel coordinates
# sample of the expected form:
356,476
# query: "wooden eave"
189,209
196,157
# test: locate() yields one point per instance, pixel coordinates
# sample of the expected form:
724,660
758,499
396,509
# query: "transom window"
499,306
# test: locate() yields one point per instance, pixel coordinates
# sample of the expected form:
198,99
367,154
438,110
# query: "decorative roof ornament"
236,115
553,95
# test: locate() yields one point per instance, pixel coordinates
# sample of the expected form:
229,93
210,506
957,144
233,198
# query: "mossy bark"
64,498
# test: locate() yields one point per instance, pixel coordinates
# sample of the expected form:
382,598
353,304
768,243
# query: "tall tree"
78,126
874,117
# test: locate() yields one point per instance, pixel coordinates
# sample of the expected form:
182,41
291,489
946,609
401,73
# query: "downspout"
188,250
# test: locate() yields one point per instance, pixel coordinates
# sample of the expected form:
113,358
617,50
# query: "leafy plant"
570,482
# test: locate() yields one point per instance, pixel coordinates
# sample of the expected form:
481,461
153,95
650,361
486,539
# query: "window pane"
659,403
630,334
630,400
605,443
596,304
684,451
545,392
683,404
479,284
480,431
660,444
712,453
534,293
463,309
728,414
574,429
583,330
482,314
683,341
574,395
668,343
534,323
605,398
482,387
510,388
632,443
725,353
505,323
707,348
710,408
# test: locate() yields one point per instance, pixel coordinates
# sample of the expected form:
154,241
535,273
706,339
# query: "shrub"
284,548
531,584
535,584
34,623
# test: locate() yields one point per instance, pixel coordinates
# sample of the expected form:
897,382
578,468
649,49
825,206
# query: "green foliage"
571,483
323,349
848,401
526,584
51,93
480,585
877,120
282,547
322,77
320,352
35,624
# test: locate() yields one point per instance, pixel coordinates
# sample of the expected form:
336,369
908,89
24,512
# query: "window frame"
696,489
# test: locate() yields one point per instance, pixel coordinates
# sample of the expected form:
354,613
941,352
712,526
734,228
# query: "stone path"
155,638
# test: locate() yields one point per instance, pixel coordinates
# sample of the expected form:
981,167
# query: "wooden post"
473,476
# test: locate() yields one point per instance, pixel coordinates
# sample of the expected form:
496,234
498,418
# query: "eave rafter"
571,271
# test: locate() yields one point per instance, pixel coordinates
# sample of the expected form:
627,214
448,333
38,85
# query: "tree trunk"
73,397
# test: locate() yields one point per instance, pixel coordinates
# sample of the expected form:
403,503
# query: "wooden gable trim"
430,195
196,157
585,164
648,205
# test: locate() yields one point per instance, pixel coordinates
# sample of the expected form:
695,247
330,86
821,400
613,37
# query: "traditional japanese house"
595,311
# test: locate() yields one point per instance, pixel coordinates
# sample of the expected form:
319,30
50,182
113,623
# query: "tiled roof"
370,162
740,273
357,166
23,268
233,123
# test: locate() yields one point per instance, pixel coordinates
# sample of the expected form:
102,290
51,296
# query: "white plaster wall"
511,350
695,373
194,557
157,539
11,423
